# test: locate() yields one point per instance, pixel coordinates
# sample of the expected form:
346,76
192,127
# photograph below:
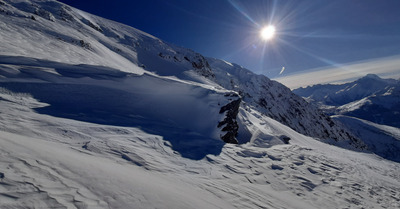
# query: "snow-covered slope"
382,107
370,98
39,29
276,101
158,105
381,139
53,162
96,114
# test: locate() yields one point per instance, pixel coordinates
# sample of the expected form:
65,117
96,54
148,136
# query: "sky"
311,35
387,67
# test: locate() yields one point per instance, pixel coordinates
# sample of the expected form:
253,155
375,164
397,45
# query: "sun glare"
268,32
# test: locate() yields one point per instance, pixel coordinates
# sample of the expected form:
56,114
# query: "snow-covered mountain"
97,114
371,98
48,26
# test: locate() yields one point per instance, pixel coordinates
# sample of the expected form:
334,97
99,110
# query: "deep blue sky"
311,33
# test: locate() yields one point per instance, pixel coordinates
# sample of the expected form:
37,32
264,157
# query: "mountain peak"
372,76
370,80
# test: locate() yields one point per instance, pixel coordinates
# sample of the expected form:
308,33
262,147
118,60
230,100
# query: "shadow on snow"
102,105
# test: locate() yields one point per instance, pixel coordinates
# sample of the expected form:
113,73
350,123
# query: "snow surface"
54,162
96,114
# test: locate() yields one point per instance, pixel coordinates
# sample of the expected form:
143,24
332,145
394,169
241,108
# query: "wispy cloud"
283,69
388,67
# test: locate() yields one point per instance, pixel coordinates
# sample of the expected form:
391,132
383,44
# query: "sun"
267,33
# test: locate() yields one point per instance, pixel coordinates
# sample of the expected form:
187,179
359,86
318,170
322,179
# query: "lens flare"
268,32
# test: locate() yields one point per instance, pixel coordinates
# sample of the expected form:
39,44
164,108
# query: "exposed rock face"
229,124
64,13
94,26
45,14
192,59
84,44
285,139
202,67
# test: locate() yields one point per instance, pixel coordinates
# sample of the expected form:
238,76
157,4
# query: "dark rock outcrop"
285,139
202,67
195,60
92,25
44,14
64,13
229,124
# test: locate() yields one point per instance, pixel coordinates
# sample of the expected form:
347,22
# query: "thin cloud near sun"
384,67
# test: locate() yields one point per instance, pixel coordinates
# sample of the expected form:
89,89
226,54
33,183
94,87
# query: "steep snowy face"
52,31
278,102
371,98
45,27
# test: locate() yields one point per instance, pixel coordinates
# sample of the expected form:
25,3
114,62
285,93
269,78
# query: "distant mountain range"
371,98
369,107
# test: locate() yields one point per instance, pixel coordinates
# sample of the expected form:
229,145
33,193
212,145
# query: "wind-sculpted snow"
52,162
187,115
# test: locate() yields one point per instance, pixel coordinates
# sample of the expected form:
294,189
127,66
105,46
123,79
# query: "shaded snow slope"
370,98
186,114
